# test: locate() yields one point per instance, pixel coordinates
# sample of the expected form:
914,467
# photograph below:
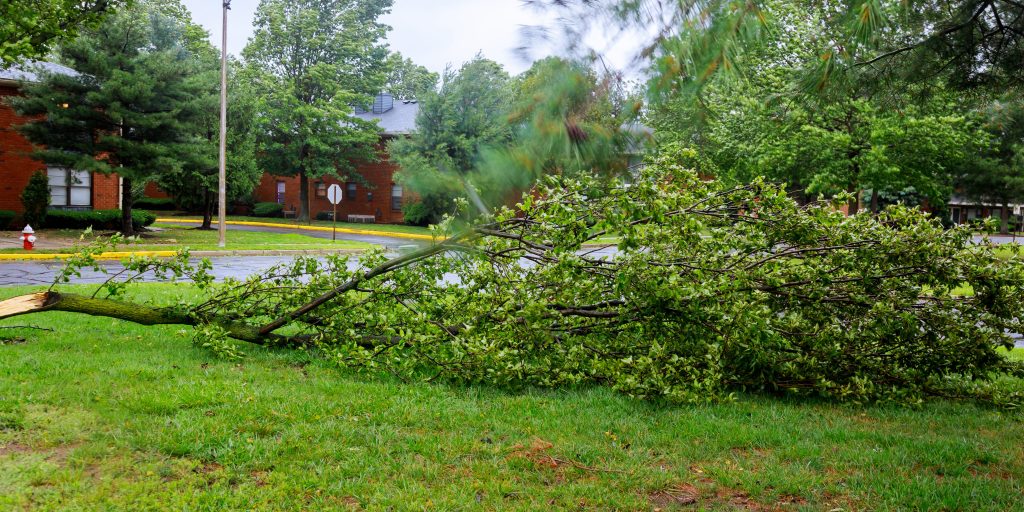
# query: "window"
350,191
280,192
396,198
69,189
321,189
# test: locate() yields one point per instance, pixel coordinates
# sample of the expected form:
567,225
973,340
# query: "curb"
120,255
391,234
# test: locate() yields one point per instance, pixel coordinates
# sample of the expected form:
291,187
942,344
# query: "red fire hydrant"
28,238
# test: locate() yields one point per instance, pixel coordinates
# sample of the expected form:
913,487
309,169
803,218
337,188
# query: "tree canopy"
455,123
30,28
315,60
408,80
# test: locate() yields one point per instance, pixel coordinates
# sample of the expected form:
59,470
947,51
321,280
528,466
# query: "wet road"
43,272
389,242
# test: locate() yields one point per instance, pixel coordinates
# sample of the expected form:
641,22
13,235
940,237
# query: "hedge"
268,210
155,203
98,219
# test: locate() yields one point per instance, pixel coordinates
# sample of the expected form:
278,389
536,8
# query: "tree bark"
1004,216
127,226
853,205
303,196
136,313
207,211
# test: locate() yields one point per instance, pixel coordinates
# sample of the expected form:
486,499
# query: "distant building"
381,198
69,189
964,210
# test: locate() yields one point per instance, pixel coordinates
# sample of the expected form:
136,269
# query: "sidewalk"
12,240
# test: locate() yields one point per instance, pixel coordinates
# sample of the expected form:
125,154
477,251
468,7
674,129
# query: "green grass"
174,237
103,415
383,228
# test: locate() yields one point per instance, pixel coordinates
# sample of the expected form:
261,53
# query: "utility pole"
222,186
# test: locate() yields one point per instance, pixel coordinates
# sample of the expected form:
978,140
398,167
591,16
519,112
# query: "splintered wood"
23,304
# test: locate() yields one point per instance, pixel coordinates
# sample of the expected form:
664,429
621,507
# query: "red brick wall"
380,176
16,166
106,193
154,191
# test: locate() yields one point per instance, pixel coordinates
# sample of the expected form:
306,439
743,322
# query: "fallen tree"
672,287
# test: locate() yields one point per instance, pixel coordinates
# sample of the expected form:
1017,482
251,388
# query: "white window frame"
74,193
396,205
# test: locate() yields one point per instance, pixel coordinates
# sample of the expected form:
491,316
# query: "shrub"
268,210
36,199
429,209
6,217
98,219
323,215
156,203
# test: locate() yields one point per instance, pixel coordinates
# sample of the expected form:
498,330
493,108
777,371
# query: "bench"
290,214
361,218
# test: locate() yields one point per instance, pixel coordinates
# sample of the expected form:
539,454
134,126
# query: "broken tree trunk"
132,312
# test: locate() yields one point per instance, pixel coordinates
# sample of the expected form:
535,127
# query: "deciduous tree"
318,58
30,28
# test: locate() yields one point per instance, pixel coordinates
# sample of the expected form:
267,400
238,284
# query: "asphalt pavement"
389,242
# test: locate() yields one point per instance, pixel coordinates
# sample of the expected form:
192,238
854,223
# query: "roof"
29,71
400,119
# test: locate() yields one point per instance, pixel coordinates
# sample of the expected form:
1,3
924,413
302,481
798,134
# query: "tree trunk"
874,201
303,196
853,205
207,211
127,226
1004,216
133,312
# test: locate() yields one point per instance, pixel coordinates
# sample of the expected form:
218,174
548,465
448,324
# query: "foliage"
127,111
469,112
995,173
710,290
35,198
6,217
408,80
97,219
268,210
427,210
897,145
31,28
156,203
968,43
195,183
215,339
313,60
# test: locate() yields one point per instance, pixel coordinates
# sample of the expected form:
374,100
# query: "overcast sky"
432,33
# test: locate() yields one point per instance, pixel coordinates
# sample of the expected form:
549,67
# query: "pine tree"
129,109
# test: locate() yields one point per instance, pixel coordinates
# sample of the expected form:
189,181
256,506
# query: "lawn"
384,228
174,237
104,415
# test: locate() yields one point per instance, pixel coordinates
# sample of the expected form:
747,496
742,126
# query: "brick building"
381,197
76,190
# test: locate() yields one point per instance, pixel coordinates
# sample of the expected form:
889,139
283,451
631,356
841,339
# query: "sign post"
334,196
